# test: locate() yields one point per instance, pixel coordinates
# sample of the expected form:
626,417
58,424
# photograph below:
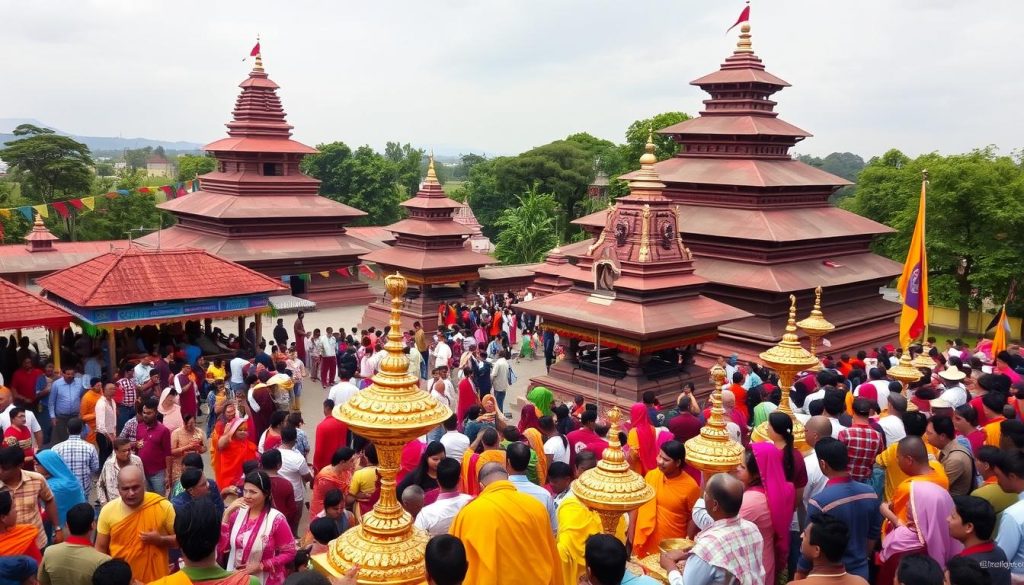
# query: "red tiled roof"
742,172
21,309
134,276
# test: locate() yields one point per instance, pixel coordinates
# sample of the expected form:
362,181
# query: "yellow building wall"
976,321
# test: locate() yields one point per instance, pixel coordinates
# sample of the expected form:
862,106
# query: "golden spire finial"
648,158
713,451
431,173
816,326
38,223
390,412
744,45
612,488
646,178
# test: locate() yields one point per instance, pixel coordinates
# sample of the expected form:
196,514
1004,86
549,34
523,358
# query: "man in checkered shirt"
80,457
863,443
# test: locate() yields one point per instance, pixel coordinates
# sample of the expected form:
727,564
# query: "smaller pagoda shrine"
635,302
554,275
258,208
430,252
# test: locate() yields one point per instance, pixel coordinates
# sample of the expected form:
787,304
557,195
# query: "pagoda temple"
759,222
430,252
636,303
259,210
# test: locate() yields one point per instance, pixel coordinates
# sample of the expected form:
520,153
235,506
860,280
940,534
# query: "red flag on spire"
255,49
744,17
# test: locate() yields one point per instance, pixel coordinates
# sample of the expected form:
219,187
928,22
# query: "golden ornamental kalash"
390,413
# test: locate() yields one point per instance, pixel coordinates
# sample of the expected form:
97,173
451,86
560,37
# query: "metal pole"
597,398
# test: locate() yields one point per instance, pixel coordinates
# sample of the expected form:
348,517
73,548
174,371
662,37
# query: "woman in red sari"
233,449
467,394
642,441
337,475
16,539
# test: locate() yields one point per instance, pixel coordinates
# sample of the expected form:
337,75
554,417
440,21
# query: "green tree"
636,137
191,166
842,164
13,227
408,164
135,158
484,196
561,168
48,165
105,169
362,179
975,210
120,217
467,162
527,231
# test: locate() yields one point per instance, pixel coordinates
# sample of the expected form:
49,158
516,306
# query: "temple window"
272,170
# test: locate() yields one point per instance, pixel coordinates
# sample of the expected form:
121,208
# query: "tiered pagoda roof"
637,282
430,244
257,207
758,221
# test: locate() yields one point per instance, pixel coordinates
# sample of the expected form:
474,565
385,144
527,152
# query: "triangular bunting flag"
42,210
76,203
181,190
166,189
62,209
145,190
27,212
121,192
343,272
5,213
325,274
365,271
89,203
304,277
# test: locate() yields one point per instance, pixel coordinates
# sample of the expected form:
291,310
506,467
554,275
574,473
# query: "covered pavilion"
135,287
20,309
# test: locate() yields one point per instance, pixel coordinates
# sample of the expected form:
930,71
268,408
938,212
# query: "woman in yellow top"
216,372
675,495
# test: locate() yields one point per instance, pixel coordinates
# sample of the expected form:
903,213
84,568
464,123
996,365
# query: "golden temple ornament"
816,327
611,489
787,358
713,451
905,373
390,413
922,361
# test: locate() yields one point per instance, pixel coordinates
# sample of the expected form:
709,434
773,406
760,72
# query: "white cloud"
506,75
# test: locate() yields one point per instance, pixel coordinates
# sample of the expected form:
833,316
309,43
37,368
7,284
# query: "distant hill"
95,143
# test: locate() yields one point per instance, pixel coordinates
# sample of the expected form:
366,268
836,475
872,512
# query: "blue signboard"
168,310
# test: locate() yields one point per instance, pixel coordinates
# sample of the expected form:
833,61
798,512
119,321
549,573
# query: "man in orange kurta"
137,527
507,535
912,458
87,410
888,461
668,514
472,463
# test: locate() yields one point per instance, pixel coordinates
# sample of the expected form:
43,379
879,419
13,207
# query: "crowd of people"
185,467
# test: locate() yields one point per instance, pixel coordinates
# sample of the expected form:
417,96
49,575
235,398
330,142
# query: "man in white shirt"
499,378
517,459
877,379
237,365
7,405
343,390
294,467
955,393
892,423
106,422
328,358
1010,535
442,353
455,443
141,372
816,428
437,517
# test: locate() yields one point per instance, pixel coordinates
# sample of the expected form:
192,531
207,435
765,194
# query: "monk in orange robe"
507,535
19,539
87,410
894,476
912,458
675,495
138,527
473,462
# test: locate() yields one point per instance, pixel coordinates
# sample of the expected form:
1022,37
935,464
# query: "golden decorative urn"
390,413
923,360
612,488
787,358
816,327
713,451
905,372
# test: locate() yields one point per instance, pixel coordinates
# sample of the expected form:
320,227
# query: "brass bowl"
670,544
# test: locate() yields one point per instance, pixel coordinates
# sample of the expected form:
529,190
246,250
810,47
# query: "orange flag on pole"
913,284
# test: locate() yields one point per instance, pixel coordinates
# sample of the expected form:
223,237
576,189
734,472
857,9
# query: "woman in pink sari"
930,507
529,418
642,441
254,536
765,479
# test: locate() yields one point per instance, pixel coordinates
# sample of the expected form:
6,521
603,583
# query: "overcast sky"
501,76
